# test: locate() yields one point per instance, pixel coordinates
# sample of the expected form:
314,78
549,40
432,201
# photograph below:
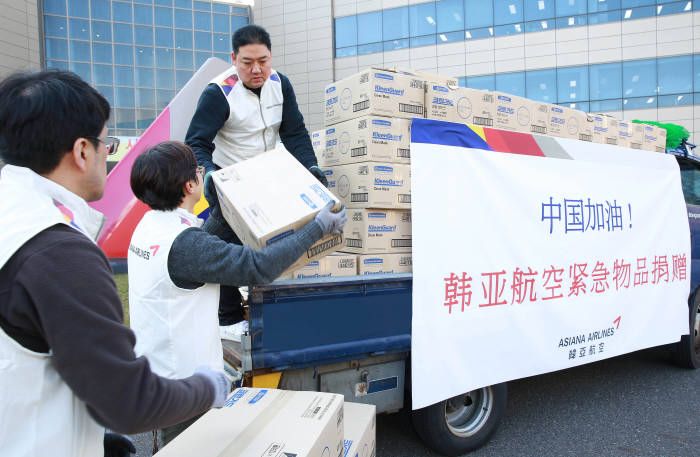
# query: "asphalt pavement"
639,404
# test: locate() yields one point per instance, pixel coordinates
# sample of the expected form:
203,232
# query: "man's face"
97,170
253,64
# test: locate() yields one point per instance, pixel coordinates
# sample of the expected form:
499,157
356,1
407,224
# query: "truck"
352,336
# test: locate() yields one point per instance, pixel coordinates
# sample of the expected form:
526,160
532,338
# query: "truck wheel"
463,423
687,353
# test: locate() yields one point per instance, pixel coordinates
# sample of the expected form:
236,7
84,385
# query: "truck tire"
687,351
461,424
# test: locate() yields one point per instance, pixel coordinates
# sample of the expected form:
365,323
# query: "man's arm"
70,283
197,257
211,114
293,132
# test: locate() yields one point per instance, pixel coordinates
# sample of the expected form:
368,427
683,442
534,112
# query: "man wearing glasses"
67,362
176,268
245,111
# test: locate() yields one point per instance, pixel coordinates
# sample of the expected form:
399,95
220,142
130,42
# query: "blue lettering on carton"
279,237
329,131
388,182
386,136
383,169
381,122
558,120
373,261
381,228
388,90
332,101
557,109
258,396
442,101
331,142
308,201
235,397
347,444
376,215
504,98
440,89
384,76
330,89
506,110
321,193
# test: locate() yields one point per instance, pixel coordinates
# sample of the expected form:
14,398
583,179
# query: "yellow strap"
267,381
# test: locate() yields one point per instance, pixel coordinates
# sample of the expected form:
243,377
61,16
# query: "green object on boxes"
674,133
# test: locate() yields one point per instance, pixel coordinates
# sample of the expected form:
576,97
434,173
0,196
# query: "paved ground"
634,405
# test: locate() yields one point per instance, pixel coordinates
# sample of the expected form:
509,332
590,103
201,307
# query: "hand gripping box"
360,430
367,138
318,142
330,266
512,113
630,134
371,184
461,104
271,196
374,264
266,423
374,91
654,138
377,231
604,129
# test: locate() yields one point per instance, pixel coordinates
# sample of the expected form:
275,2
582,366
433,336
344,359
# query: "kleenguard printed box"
367,138
461,104
331,266
374,91
604,129
512,112
585,127
630,134
428,77
263,211
371,184
654,138
376,264
539,117
377,231
318,142
360,425
266,422
564,122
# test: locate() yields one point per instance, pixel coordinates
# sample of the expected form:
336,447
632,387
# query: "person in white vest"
244,111
176,267
67,364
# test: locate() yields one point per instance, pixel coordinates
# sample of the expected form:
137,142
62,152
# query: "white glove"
219,381
331,222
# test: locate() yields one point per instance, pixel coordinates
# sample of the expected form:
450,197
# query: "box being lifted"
266,422
461,104
271,196
367,138
371,184
374,91
378,231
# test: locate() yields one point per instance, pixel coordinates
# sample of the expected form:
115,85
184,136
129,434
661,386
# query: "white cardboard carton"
539,117
367,138
428,77
654,138
604,129
564,122
377,231
374,264
512,112
271,196
371,184
318,142
461,104
630,134
266,423
374,91
585,127
360,430
331,266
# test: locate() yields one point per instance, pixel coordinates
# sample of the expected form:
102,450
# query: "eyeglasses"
111,142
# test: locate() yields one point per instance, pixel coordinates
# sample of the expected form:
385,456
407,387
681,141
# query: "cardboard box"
373,264
374,91
604,129
330,266
586,125
630,135
367,138
461,104
512,112
360,425
318,142
265,423
428,77
377,231
539,117
263,211
659,139
565,122
371,184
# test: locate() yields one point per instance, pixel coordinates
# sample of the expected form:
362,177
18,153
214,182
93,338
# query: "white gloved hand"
331,222
219,381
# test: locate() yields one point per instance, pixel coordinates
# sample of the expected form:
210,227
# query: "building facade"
635,59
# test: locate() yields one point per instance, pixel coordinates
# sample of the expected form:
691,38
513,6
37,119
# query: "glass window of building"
80,50
346,31
100,9
124,76
184,60
478,13
605,81
102,74
674,8
101,53
144,56
571,7
487,82
82,70
595,6
202,21
143,14
220,23
121,12
123,55
143,35
183,18
511,83
202,41
450,15
572,84
123,33
507,11
79,8
674,77
541,85
395,28
102,31
54,7
639,78
421,19
79,28
164,37
237,22
163,16
222,43
165,58
183,39
371,26
538,9
144,77
55,26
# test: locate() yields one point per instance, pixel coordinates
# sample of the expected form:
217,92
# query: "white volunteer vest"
39,413
253,123
176,329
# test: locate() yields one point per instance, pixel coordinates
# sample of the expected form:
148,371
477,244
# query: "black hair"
250,34
159,174
43,113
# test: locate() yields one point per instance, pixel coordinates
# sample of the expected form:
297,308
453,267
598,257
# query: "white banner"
526,264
